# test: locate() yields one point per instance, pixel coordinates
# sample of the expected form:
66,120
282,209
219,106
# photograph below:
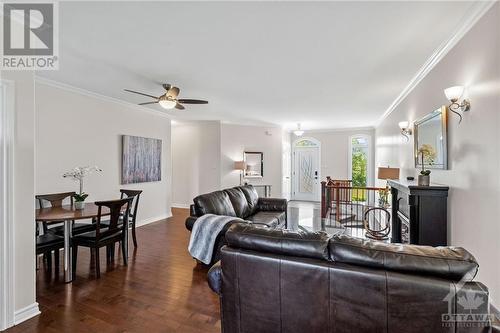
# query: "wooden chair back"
52,200
135,194
117,209
55,199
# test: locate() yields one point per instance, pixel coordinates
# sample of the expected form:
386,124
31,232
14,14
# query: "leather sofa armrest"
215,278
190,222
272,204
192,211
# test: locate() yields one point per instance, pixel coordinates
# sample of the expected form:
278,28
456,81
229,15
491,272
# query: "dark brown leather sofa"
283,281
242,202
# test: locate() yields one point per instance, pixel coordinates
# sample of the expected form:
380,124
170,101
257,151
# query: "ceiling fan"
169,99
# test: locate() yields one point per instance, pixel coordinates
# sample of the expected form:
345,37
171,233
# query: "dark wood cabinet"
419,213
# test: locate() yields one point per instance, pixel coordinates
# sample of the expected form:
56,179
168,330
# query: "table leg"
68,258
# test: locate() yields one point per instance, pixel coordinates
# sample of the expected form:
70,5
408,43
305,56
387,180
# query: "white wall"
23,198
195,160
473,146
77,129
236,139
335,153
286,165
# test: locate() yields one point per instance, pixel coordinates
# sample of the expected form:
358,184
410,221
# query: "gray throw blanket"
204,233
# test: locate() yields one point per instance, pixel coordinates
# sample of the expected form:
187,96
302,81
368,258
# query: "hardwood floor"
162,290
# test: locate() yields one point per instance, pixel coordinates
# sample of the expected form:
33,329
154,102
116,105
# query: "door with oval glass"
306,171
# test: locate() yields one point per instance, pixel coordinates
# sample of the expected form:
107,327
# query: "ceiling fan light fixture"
169,99
167,103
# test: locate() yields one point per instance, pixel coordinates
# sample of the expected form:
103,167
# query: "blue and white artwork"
141,159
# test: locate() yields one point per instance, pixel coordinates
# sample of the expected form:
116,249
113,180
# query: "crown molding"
81,91
336,130
477,11
255,123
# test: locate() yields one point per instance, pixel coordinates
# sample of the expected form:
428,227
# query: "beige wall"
203,155
235,139
77,129
473,146
195,160
335,150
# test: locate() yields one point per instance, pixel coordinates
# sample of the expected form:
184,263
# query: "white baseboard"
180,205
26,313
153,219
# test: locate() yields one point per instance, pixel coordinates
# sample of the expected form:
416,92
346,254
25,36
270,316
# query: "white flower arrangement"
78,174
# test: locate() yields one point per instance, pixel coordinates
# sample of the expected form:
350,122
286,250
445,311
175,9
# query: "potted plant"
427,154
78,174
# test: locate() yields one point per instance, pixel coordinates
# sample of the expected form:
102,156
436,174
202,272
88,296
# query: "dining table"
67,214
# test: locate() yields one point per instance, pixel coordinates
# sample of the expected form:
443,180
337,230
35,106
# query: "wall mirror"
254,164
432,131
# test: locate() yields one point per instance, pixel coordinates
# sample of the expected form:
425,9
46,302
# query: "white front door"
306,177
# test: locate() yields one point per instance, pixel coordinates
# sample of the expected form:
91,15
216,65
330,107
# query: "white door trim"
318,143
7,136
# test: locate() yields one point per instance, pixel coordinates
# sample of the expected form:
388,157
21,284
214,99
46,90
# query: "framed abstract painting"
141,159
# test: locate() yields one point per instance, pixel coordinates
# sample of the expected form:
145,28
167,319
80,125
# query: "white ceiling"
324,64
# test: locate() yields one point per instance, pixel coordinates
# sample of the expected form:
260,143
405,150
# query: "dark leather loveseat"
282,281
242,202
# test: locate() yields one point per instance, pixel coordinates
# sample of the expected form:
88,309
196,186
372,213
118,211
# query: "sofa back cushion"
252,198
452,263
278,241
217,203
239,201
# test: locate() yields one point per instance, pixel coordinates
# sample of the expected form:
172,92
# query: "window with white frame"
359,158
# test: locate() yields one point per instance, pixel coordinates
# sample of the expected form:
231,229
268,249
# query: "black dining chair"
105,235
135,194
57,227
46,244
50,238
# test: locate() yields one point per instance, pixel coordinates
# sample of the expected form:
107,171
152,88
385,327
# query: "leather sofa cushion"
452,263
239,201
217,203
278,241
270,219
252,198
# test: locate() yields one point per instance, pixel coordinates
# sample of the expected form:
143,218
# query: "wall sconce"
454,94
405,129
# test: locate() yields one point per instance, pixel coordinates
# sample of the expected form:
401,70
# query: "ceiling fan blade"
173,92
191,101
146,103
139,93
179,106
